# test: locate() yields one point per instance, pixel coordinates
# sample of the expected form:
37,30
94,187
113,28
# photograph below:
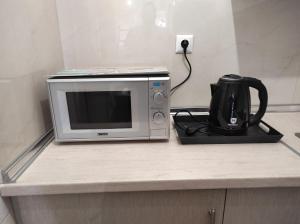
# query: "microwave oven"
110,104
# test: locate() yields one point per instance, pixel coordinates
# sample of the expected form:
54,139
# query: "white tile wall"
142,33
268,42
30,49
258,38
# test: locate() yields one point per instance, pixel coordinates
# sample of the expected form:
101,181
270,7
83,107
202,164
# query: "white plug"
179,39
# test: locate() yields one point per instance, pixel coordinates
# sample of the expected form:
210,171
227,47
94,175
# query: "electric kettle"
230,104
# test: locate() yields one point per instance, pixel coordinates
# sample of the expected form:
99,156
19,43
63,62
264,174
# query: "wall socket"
179,38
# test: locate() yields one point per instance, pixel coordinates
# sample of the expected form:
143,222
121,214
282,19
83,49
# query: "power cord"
202,126
184,45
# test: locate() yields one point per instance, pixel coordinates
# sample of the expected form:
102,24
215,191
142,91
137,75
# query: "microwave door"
102,110
99,110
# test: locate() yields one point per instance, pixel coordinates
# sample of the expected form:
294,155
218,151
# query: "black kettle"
230,104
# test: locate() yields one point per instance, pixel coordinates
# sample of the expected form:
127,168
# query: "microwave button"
158,118
158,98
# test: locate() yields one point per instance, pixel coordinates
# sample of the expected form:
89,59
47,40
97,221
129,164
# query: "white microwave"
110,104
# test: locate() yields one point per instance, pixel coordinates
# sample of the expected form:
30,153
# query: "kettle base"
230,132
254,133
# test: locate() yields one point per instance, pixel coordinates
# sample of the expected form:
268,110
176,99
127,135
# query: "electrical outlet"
179,38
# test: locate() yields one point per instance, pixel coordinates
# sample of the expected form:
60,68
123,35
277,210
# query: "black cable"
190,114
202,126
187,78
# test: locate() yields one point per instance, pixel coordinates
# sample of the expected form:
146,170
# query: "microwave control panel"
159,107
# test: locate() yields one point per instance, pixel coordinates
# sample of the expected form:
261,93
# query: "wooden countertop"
288,124
148,166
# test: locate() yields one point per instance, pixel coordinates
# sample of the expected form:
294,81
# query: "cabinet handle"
212,214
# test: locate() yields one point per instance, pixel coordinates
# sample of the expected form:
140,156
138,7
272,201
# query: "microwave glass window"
99,110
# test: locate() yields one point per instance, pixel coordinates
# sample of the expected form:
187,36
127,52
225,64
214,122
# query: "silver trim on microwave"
99,79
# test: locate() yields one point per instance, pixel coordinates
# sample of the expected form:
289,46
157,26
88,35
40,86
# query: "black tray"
255,134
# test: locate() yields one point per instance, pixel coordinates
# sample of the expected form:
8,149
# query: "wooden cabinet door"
160,207
263,206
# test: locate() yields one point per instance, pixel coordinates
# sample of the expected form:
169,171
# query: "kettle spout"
213,88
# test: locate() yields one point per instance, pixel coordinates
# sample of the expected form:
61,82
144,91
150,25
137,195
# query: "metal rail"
13,170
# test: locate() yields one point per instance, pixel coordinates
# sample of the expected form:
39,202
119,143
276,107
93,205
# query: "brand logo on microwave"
102,133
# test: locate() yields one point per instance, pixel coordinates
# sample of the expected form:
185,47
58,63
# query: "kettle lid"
231,77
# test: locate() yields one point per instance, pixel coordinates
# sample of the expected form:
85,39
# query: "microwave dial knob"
158,98
158,118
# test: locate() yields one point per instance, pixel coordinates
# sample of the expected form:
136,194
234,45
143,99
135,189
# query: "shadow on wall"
268,44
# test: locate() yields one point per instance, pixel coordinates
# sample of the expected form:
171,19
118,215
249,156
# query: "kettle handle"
263,98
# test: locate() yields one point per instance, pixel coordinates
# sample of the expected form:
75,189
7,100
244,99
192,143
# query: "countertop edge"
18,189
